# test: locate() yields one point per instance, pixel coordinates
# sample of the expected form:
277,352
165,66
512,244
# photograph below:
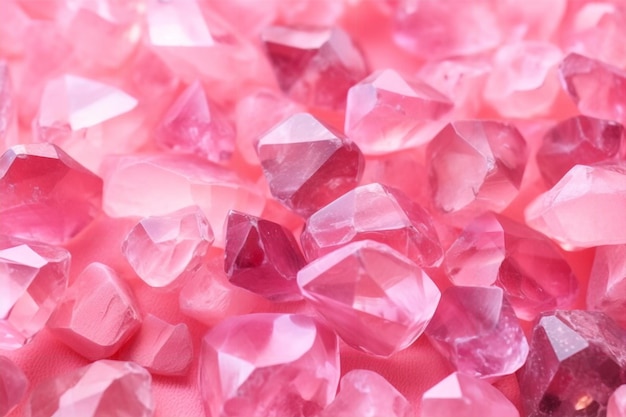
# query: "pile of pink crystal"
313,208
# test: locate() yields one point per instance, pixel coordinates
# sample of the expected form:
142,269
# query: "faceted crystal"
579,140
375,212
164,249
462,395
102,389
13,385
314,66
384,113
475,166
476,329
46,195
366,393
525,264
576,360
307,164
97,314
262,257
268,365
33,278
617,403
607,282
376,299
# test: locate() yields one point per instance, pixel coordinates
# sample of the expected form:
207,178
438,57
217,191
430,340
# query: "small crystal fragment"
606,291
13,385
617,403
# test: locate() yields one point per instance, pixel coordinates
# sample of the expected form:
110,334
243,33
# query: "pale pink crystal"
462,395
7,108
13,385
607,282
160,347
33,278
375,212
376,299
46,195
366,393
307,164
476,329
384,113
164,249
268,365
617,403
97,314
102,389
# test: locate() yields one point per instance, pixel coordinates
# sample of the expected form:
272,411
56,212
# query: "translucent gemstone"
7,108
384,113
194,125
314,66
617,403
164,249
97,314
160,347
579,140
46,195
33,278
375,212
270,365
376,299
525,264
575,363
13,385
475,166
463,395
597,88
607,282
100,389
366,393
262,257
307,164
524,81
476,329
568,212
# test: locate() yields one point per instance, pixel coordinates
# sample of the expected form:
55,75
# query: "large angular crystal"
13,385
607,282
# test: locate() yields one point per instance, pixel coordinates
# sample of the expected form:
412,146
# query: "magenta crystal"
13,385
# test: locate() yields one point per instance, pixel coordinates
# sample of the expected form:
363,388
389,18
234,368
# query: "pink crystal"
97,314
262,257
102,389
268,364
617,403
525,264
160,347
164,249
13,385
366,393
384,113
314,66
7,107
476,166
576,361
607,282
375,212
307,164
476,329
46,195
579,140
376,299
33,278
462,395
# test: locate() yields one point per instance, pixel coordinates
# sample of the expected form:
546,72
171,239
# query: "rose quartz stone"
366,393
164,249
100,389
46,195
617,403
268,364
463,395
375,212
377,300
476,329
314,66
307,164
33,278
97,314
607,282
13,385
579,140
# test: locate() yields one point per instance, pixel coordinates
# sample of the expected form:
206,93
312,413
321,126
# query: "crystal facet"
617,403
13,385
607,282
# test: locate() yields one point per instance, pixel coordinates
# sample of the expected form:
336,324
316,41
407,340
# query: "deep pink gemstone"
376,299
375,212
607,282
262,257
13,385
575,363
268,365
617,403
46,195
307,164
